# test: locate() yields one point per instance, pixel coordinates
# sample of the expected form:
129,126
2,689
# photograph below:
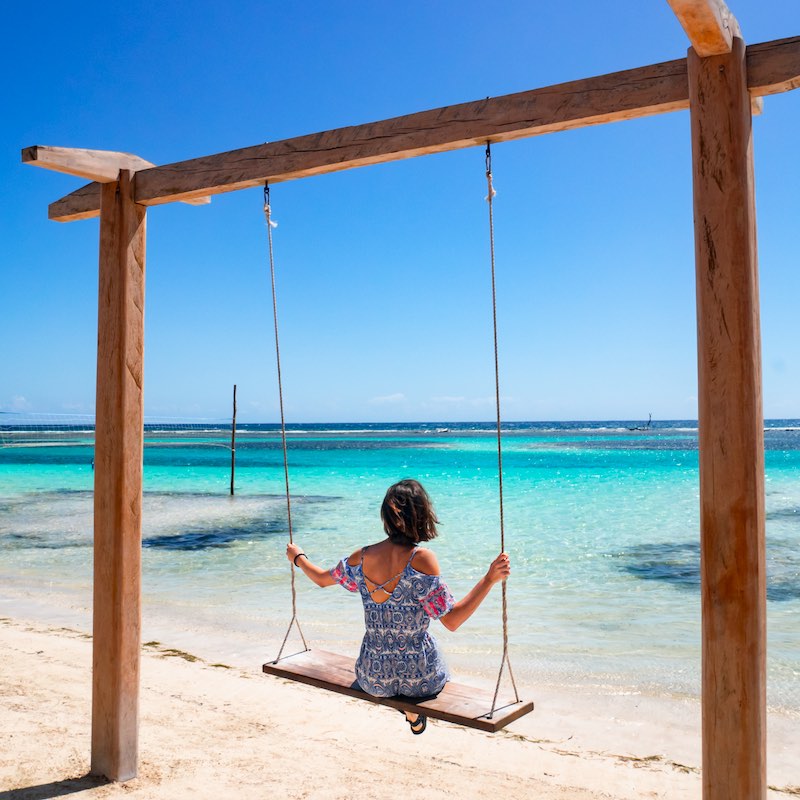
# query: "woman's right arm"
498,571
320,575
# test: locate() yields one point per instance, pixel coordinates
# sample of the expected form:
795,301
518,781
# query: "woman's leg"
417,722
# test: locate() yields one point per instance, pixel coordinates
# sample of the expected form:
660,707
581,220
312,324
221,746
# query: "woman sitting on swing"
398,657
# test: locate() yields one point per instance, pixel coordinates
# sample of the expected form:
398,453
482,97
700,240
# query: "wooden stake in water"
233,440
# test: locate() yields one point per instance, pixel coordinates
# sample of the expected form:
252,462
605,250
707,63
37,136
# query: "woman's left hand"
292,551
499,569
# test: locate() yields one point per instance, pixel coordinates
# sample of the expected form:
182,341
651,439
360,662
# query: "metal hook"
488,158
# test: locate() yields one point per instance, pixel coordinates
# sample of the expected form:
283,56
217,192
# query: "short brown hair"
407,513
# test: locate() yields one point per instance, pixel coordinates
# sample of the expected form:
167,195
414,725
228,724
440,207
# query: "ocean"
601,523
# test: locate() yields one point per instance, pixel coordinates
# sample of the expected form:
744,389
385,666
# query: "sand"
215,731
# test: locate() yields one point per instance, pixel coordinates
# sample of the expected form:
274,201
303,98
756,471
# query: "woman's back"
383,565
398,655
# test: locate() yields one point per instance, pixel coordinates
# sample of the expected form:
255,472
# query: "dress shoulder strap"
411,557
363,550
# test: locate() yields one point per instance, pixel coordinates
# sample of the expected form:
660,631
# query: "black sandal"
418,725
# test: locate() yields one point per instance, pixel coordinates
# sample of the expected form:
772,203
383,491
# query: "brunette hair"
407,513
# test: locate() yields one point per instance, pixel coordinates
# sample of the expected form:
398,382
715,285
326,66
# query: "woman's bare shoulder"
355,558
425,561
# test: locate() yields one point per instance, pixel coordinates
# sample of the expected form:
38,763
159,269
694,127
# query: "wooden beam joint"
709,24
100,166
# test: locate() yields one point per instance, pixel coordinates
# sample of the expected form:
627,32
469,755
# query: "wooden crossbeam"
772,67
101,166
709,24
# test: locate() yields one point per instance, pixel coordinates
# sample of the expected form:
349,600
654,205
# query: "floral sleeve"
439,599
342,573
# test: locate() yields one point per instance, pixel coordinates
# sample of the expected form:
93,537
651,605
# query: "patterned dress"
398,656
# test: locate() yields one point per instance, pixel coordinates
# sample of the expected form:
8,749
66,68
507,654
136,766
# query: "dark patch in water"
785,513
679,565
624,444
210,538
782,589
10,505
27,541
251,521
336,444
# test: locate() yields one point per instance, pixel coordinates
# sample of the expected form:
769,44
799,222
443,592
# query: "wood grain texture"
709,24
456,703
85,204
772,67
656,89
119,443
730,431
102,166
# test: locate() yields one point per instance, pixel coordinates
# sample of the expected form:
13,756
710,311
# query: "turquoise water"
601,523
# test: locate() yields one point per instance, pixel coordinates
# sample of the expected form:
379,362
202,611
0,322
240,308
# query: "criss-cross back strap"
382,586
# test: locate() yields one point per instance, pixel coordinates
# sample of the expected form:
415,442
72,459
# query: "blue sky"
383,274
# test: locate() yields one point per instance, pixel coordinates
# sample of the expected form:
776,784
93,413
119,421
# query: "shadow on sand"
55,789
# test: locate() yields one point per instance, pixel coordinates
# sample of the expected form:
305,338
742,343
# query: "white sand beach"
215,731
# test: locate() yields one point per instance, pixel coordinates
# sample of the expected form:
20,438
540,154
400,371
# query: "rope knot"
492,193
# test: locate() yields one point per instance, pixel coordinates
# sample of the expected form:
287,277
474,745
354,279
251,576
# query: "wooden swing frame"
720,82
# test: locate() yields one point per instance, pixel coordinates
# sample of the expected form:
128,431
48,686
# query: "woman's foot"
417,722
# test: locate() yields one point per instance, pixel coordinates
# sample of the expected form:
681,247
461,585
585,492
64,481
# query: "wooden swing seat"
462,705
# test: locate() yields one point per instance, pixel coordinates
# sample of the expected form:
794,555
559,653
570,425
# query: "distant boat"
443,430
643,427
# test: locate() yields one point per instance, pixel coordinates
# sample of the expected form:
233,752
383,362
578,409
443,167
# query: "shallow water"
601,523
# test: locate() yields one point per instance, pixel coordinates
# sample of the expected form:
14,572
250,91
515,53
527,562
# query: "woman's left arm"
320,575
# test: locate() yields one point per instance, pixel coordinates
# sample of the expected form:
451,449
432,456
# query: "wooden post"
233,440
119,444
731,430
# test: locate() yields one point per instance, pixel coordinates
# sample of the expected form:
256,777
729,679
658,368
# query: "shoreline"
214,729
253,639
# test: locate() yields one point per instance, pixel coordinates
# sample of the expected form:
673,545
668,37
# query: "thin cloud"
19,403
388,399
482,402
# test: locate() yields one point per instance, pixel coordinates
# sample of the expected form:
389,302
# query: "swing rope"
270,225
294,620
505,660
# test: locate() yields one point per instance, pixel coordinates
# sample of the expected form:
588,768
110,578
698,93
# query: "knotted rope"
505,660
270,225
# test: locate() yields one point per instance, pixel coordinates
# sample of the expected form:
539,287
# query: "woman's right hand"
499,569
292,551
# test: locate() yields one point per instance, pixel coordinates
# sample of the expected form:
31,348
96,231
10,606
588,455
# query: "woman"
402,590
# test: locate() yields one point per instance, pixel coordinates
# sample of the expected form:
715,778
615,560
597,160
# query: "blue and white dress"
398,655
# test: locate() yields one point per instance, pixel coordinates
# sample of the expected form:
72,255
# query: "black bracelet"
298,556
